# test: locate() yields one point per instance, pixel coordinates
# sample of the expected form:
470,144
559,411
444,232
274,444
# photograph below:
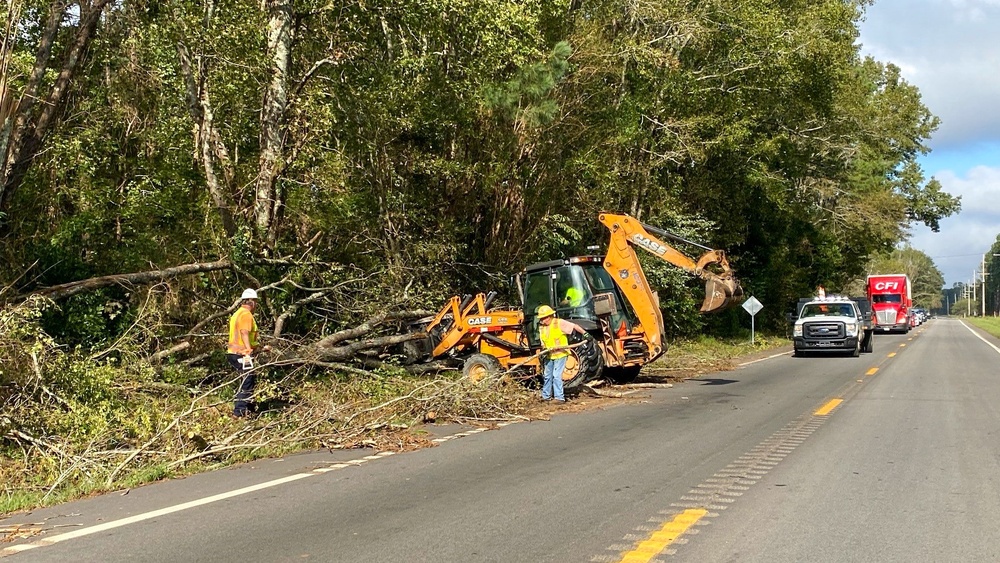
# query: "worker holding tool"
554,333
240,349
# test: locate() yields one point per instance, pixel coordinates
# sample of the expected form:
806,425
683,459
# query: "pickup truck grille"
824,331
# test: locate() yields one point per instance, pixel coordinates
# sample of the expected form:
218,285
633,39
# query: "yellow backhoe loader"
607,296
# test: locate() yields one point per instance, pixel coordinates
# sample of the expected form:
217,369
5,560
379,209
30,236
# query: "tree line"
391,153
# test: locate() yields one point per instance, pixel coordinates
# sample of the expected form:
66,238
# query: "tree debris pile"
74,422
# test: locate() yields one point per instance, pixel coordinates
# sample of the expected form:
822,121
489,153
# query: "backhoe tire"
481,367
584,364
621,375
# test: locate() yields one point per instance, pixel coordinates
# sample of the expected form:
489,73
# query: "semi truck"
891,299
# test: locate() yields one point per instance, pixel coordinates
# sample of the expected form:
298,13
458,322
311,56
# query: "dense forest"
419,148
359,162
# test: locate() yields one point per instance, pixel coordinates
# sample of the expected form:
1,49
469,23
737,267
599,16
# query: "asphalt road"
892,456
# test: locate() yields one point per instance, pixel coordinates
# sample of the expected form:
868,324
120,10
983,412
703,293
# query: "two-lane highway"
907,469
879,458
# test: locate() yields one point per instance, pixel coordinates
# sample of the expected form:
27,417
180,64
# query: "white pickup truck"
832,324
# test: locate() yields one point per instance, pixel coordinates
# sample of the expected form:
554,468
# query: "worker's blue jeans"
552,383
245,390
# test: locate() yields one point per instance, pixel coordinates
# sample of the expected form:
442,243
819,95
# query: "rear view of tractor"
607,296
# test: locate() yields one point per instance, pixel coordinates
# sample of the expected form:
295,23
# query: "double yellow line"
834,403
648,549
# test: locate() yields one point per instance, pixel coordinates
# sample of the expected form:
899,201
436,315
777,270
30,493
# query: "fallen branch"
192,408
279,323
350,350
69,289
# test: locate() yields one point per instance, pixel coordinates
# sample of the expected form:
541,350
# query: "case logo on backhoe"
649,244
480,321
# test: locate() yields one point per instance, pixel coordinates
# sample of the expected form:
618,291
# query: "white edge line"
979,336
762,359
79,533
155,513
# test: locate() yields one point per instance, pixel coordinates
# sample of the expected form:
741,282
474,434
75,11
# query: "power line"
957,255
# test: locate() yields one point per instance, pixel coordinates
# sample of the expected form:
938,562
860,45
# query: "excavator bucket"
720,293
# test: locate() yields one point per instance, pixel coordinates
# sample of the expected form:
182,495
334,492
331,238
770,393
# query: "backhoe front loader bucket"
721,293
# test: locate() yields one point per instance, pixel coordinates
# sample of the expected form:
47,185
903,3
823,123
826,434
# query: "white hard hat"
249,294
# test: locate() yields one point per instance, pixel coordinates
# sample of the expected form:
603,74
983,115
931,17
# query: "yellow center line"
871,371
660,539
892,355
825,409
902,345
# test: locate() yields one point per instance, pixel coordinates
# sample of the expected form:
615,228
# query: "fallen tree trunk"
65,290
339,353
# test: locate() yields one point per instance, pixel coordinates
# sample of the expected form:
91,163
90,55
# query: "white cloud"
957,250
947,48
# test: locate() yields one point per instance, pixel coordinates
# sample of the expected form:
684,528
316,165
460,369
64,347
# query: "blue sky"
949,50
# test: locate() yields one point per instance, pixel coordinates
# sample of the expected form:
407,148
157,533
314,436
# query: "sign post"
753,307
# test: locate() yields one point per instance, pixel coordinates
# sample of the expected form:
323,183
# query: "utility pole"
975,280
968,301
983,292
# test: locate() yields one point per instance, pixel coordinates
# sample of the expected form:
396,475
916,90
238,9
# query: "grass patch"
705,347
989,324
695,356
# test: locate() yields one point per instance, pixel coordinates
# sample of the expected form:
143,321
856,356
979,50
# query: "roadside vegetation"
989,324
83,425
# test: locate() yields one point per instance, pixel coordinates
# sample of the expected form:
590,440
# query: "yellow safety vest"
234,345
574,296
553,337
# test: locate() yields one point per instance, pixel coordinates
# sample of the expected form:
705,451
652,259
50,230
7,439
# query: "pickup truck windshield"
827,310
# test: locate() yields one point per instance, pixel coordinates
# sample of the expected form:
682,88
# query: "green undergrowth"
716,352
75,423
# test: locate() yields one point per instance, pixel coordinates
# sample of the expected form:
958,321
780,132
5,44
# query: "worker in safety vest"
554,333
574,297
240,348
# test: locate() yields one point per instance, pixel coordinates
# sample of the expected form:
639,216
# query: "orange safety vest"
553,337
238,322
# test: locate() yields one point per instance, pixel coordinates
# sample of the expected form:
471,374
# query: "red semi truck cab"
891,302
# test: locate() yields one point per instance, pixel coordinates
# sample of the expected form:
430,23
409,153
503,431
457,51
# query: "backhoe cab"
608,297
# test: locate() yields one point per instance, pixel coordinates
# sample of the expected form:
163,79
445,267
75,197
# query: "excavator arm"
721,287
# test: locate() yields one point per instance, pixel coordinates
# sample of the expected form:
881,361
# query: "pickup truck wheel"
857,349
479,367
